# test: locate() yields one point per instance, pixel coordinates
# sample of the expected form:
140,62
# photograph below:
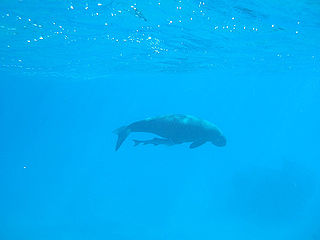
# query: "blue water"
73,71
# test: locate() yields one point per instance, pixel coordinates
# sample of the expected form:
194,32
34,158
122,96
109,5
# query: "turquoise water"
73,71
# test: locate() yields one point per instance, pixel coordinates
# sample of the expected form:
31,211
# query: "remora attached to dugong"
174,129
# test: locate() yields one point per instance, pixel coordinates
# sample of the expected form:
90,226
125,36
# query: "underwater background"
73,71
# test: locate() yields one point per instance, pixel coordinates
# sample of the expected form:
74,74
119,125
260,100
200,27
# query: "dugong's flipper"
154,141
123,133
197,143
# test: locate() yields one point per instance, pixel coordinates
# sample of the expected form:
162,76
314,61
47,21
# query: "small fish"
154,141
138,13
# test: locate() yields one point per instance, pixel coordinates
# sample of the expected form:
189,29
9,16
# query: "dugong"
174,129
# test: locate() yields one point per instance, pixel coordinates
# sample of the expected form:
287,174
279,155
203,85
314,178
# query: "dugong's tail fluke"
122,133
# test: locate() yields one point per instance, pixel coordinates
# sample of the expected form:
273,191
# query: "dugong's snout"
219,141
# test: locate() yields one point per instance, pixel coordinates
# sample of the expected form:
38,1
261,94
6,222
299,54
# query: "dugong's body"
174,129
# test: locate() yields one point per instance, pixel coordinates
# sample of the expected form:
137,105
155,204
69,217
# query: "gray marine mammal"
174,129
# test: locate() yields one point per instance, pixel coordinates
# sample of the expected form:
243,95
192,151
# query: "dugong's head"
219,140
